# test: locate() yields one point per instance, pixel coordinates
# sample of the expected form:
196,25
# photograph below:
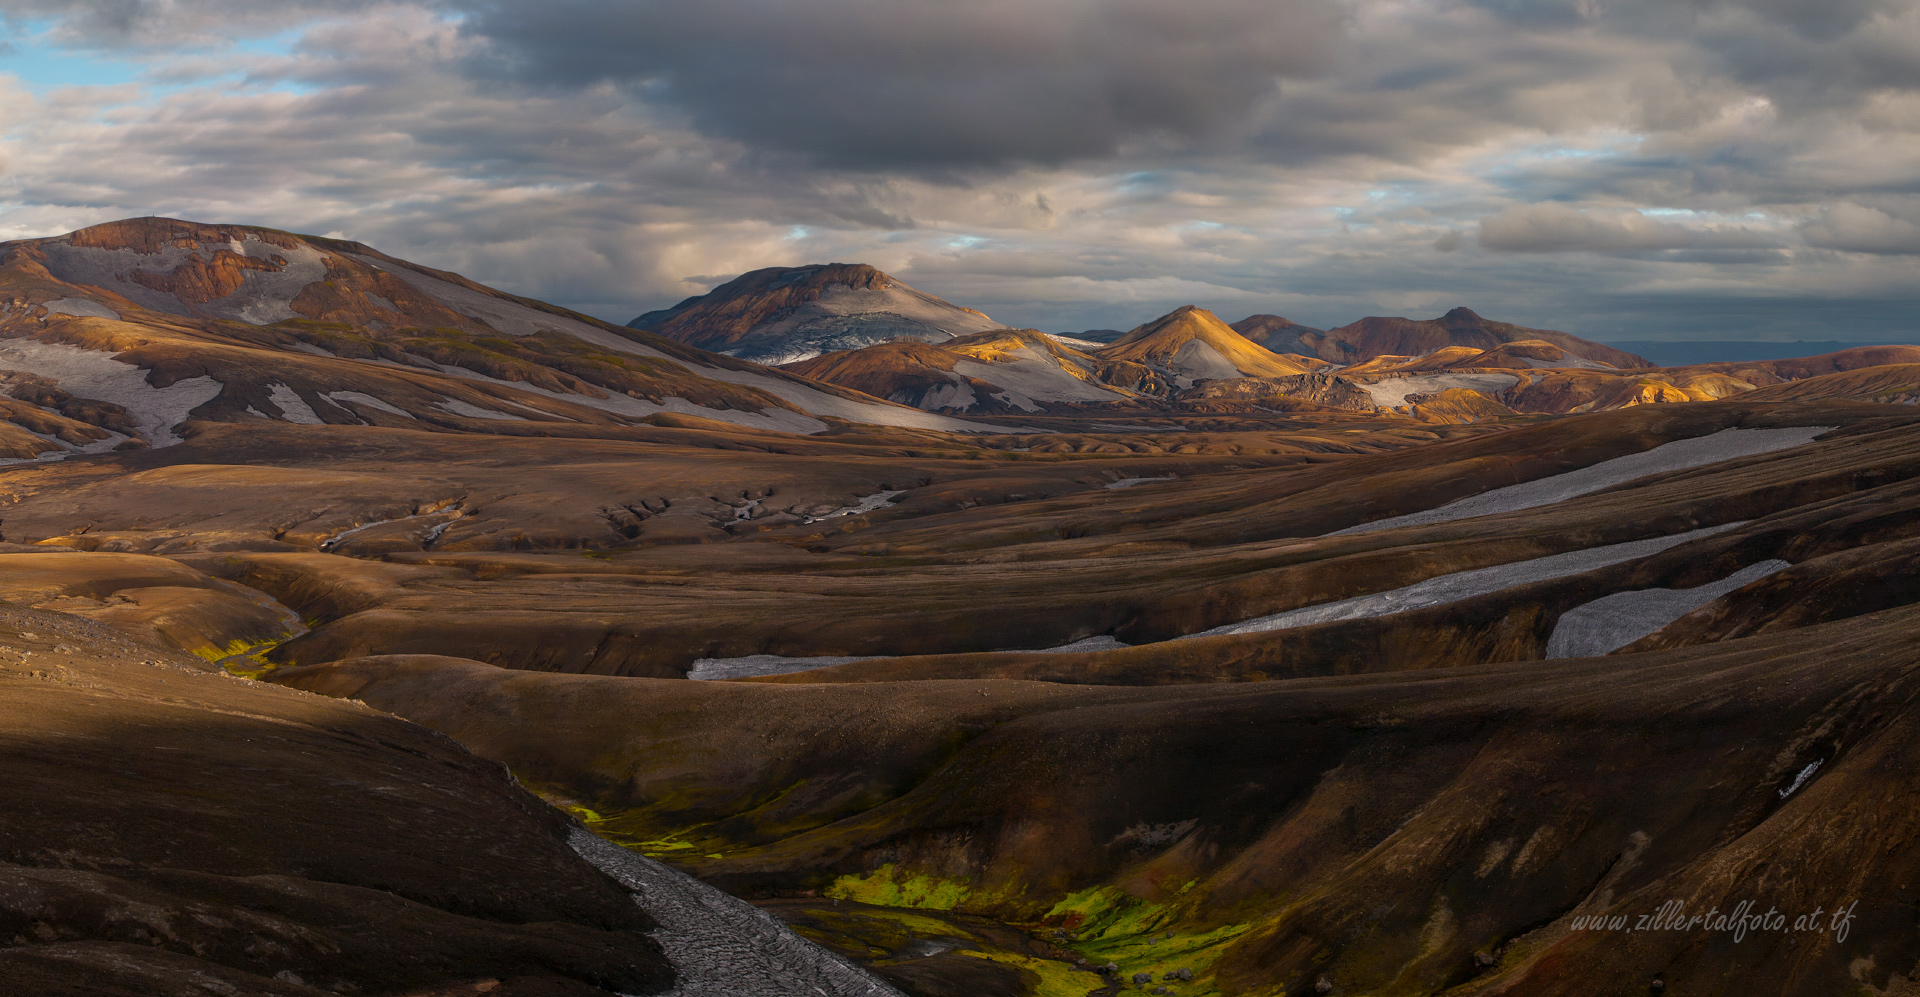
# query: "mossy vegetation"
630,829
888,886
1106,924
246,659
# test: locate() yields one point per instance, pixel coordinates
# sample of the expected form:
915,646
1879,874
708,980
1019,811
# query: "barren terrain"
1252,684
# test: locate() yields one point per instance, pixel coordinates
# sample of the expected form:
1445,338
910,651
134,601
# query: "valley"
1219,659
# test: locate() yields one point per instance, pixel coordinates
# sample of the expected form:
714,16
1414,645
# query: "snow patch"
85,307
1727,444
367,400
777,420
871,503
749,665
1463,585
1200,361
954,396
1031,376
1611,622
1100,643
1130,482
458,407
1801,779
292,407
98,376
1392,392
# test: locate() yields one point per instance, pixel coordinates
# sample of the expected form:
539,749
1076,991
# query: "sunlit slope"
137,327
786,314
1191,343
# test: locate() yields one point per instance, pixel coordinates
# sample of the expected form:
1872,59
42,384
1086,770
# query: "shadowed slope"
167,824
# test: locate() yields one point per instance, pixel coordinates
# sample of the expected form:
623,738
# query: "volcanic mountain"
1007,370
1372,337
119,333
1281,335
785,314
1191,343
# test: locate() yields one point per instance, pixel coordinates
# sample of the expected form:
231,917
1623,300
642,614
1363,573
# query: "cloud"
1060,163
1855,228
1559,228
888,83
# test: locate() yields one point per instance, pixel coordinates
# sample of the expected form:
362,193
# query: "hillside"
119,334
328,676
1191,343
1281,335
1003,371
1372,337
783,315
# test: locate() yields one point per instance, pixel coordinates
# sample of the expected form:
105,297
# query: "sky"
1619,169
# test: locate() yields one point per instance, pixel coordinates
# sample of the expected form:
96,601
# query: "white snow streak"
1727,444
98,376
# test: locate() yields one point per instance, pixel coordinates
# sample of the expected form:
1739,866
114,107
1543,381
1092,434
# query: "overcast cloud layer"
1624,169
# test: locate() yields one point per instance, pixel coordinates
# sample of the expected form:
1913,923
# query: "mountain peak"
787,314
1462,315
1191,342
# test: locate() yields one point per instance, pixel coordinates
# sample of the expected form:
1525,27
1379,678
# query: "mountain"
781,315
1897,383
1006,370
118,334
1191,343
1372,337
1281,335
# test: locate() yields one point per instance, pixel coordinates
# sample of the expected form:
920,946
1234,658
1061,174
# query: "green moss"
243,658
1110,925
621,829
890,887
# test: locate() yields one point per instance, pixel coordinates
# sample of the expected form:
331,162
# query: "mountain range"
365,629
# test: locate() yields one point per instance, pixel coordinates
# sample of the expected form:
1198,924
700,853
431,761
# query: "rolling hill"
1375,336
786,314
1003,371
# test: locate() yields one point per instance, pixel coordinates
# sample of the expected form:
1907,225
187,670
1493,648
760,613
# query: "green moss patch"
891,887
1106,924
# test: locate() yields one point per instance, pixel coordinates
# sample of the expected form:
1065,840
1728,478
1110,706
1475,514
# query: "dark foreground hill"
170,829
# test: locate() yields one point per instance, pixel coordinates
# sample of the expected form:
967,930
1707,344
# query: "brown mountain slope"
1765,372
786,314
1372,337
173,830
1006,370
1891,383
1281,335
1191,343
135,327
